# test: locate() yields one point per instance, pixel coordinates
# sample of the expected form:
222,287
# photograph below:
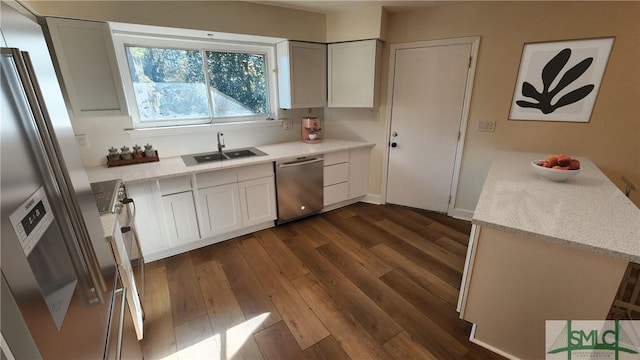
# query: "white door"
429,86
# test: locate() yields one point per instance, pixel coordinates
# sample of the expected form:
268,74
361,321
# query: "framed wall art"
559,81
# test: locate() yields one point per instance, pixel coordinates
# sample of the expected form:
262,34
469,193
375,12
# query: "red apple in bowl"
564,160
556,167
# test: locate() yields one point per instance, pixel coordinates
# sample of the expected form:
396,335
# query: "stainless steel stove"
108,194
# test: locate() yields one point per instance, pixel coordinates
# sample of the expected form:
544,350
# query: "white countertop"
173,166
587,211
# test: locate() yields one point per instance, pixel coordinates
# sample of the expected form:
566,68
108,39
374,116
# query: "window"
173,82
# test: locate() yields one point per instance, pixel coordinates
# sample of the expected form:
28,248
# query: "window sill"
192,129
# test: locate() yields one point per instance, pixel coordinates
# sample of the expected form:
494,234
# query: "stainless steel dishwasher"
299,187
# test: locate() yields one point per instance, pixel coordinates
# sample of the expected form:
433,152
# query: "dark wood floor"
360,282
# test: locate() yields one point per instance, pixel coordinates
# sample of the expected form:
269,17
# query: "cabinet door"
220,209
87,62
354,70
180,218
258,201
302,74
358,172
148,215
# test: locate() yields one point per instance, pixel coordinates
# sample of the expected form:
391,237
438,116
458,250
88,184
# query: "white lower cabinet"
257,200
336,193
180,218
346,176
185,212
358,172
220,209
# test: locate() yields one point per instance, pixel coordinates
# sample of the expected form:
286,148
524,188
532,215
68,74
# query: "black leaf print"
549,73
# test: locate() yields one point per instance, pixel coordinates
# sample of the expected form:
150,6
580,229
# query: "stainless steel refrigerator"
58,269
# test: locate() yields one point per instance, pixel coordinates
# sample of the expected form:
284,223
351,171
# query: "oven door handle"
124,203
133,216
299,162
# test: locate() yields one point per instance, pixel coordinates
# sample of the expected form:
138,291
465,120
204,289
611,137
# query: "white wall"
361,24
357,124
611,139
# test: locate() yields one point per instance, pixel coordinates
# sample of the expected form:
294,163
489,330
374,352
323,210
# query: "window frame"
121,39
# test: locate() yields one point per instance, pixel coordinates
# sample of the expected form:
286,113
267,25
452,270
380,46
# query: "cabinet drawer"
336,193
337,173
255,171
336,157
175,184
215,178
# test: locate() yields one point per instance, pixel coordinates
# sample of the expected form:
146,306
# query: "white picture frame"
560,80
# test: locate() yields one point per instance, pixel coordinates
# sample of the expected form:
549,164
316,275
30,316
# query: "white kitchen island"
542,250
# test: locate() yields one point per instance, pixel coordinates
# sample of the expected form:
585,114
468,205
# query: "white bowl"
312,136
553,174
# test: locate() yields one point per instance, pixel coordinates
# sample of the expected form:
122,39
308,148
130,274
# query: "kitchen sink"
210,157
235,154
200,158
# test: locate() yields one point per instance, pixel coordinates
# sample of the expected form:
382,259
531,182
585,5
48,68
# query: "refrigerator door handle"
81,250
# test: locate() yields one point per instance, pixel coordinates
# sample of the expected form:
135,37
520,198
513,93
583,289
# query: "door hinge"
459,135
470,61
449,199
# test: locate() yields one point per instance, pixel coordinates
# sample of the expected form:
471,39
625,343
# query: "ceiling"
329,6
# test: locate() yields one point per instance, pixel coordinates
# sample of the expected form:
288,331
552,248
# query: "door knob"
394,134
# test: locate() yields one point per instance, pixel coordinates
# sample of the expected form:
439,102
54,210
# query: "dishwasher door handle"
299,162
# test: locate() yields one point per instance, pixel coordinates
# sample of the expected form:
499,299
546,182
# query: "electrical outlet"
83,140
486,126
374,115
287,124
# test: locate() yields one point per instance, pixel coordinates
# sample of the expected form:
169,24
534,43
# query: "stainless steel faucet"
220,142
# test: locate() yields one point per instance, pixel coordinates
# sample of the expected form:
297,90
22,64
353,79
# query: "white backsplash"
104,133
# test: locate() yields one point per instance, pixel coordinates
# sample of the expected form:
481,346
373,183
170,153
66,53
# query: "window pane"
238,84
168,83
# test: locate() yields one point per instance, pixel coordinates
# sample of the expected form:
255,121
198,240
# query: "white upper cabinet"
87,62
354,70
302,74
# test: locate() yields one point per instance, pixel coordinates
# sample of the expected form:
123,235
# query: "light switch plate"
486,126
83,140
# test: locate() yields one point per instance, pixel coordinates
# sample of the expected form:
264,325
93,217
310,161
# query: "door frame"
474,41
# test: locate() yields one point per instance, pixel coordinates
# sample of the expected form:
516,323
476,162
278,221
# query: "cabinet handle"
297,162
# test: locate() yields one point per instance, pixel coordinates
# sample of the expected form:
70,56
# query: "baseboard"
165,253
461,214
373,199
340,204
473,339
